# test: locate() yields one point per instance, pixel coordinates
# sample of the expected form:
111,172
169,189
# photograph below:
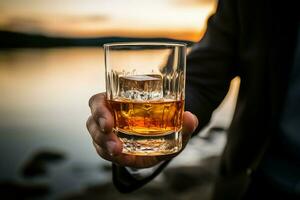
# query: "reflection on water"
44,105
43,108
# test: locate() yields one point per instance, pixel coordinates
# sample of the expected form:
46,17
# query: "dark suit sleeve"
210,67
212,63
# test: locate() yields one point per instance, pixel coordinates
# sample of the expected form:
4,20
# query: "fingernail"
110,145
102,124
196,122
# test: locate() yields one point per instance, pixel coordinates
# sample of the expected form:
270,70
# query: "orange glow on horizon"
177,19
174,34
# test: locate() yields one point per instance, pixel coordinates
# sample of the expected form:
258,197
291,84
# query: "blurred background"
51,62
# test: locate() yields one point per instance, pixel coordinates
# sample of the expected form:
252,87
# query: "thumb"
190,123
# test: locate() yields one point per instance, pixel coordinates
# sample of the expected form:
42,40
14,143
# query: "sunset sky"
180,19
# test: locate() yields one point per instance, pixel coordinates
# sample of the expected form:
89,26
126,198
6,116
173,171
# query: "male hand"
109,146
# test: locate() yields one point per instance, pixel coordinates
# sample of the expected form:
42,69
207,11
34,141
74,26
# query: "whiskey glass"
145,89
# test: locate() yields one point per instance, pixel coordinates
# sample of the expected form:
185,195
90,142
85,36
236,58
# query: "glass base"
151,145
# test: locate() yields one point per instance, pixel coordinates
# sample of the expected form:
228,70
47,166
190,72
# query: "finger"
102,153
190,123
93,129
109,142
101,112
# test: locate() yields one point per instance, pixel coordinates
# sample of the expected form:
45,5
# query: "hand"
109,146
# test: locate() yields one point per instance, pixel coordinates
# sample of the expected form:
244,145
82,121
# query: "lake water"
44,105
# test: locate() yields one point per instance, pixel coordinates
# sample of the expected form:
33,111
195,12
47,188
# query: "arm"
212,63
210,67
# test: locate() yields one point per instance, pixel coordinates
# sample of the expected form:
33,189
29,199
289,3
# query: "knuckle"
101,152
91,126
88,122
100,141
97,113
92,99
94,131
95,98
98,138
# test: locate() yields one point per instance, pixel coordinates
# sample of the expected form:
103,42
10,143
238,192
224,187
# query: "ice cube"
141,87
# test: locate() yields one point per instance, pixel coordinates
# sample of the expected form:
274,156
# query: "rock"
180,183
17,190
105,167
37,164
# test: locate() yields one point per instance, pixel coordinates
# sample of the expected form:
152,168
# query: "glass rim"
116,44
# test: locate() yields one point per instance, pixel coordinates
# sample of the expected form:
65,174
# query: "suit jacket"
252,39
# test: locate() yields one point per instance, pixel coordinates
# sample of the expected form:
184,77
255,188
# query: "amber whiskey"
148,127
148,113
150,118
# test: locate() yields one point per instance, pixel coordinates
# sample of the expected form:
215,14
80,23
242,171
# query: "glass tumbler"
145,89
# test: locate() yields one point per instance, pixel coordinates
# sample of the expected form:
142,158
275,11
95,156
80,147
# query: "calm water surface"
44,105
